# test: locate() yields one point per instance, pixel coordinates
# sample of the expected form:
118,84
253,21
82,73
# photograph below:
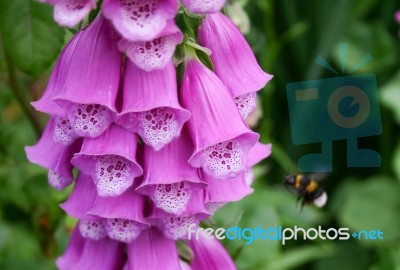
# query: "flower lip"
156,53
195,208
176,227
245,140
69,12
203,6
175,200
140,20
57,181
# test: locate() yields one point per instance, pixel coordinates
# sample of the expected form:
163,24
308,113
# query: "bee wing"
291,189
318,176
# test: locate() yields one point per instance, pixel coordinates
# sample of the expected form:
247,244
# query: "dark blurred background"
286,36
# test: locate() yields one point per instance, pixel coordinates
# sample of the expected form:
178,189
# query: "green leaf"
390,96
396,161
347,255
299,256
21,250
259,250
31,37
363,38
373,206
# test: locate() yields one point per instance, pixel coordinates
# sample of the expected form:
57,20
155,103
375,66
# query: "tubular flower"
88,90
221,151
150,105
233,59
153,160
112,166
168,179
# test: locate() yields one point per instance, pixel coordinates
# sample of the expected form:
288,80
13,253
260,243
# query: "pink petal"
233,59
73,251
257,153
221,138
54,156
89,254
225,191
210,254
152,250
82,198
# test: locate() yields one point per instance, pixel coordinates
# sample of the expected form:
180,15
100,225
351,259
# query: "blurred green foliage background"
286,36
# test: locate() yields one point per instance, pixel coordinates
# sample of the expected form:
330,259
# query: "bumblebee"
307,189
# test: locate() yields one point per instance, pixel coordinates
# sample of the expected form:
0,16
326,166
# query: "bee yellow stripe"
311,186
297,181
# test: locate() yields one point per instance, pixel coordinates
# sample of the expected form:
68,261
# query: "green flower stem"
19,96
